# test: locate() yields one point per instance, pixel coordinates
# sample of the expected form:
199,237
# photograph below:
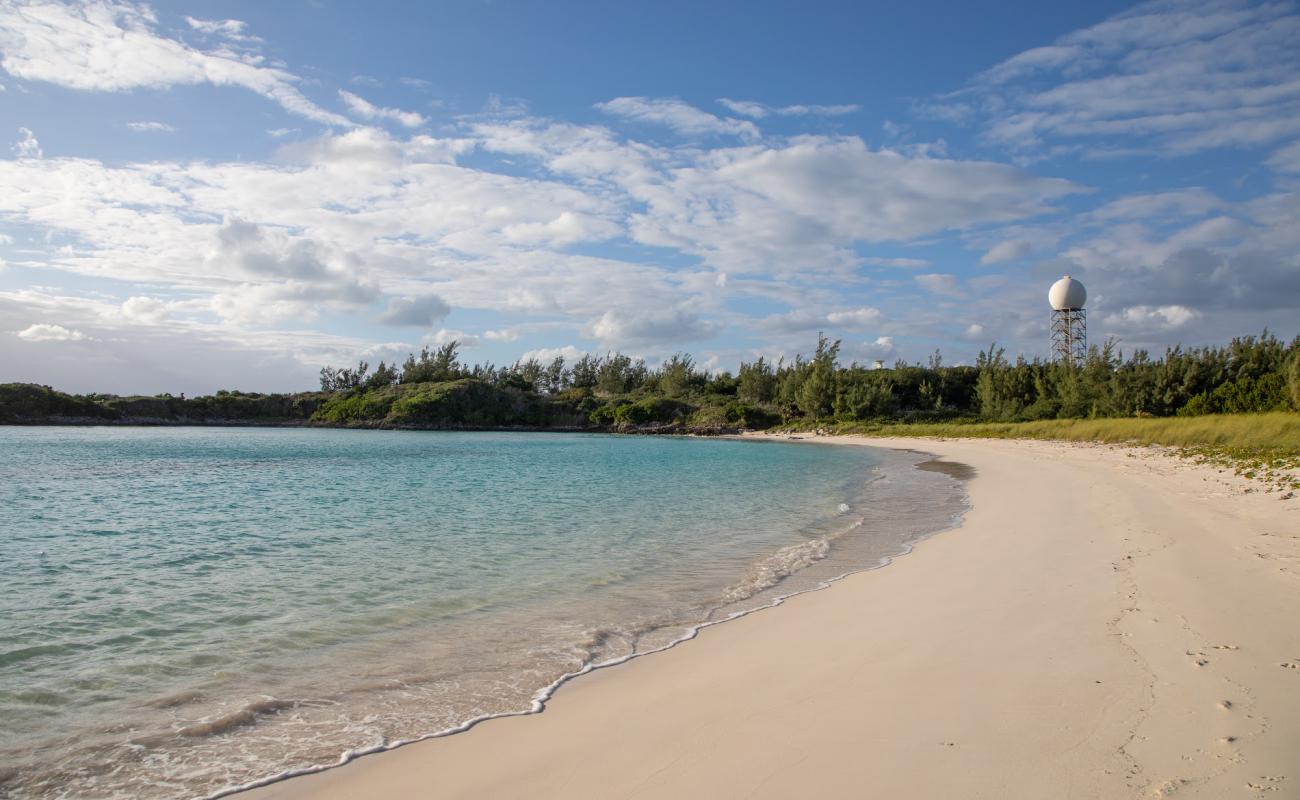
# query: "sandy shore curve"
1106,623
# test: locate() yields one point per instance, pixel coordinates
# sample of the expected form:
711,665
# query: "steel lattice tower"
1070,335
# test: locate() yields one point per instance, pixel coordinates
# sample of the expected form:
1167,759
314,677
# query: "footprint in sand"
1290,664
1226,705
1225,647
1266,783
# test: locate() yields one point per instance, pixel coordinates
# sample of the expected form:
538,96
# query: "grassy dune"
1277,431
1264,446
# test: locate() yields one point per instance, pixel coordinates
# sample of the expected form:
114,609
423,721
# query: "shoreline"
636,730
922,460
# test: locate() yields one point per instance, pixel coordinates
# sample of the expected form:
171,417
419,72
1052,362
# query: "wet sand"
1106,623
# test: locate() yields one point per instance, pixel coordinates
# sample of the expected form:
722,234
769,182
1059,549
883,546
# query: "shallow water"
186,610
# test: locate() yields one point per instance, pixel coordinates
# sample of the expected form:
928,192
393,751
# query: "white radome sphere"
1067,293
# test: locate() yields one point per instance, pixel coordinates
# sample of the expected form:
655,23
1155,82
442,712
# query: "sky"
205,195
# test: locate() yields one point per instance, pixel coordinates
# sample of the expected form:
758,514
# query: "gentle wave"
544,695
767,573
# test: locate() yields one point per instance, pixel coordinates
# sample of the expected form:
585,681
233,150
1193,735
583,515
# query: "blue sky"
229,195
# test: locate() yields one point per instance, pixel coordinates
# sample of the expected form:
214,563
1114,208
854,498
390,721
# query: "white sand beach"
1106,623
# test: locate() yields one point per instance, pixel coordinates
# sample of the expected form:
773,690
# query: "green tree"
817,392
756,382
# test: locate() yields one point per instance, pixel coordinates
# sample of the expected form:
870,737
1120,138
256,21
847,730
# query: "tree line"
1249,374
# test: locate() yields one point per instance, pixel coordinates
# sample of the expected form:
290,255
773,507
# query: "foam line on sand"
1107,623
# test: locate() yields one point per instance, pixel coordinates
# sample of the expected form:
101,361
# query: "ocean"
187,611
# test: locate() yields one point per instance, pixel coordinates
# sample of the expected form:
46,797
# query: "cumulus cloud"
566,228
647,327
48,332
108,46
232,29
415,312
27,146
362,108
1146,319
145,310
546,355
681,117
289,275
341,219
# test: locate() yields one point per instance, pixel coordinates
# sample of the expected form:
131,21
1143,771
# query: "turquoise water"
187,610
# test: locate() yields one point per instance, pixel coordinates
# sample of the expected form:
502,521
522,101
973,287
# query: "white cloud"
445,336
27,146
1143,319
881,348
147,126
46,332
232,29
854,318
145,310
416,312
1165,206
1008,250
1286,159
633,327
905,263
807,320
974,331
340,221
180,355
566,228
803,205
681,117
280,133
112,47
545,355
1166,77
939,283
367,110
756,110
501,335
